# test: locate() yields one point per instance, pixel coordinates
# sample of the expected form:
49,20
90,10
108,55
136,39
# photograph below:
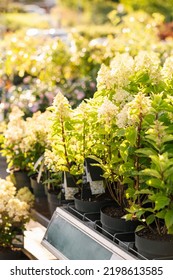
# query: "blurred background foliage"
34,67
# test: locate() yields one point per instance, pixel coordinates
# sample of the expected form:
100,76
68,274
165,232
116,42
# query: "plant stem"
64,143
138,146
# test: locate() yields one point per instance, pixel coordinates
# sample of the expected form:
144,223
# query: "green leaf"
150,219
151,172
154,182
146,151
169,218
123,149
144,191
139,228
131,135
140,213
161,214
156,160
170,230
128,217
160,201
167,138
149,209
168,172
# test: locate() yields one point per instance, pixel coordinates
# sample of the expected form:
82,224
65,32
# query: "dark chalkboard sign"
74,244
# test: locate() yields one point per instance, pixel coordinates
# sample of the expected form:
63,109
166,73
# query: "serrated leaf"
146,151
140,213
128,217
160,201
156,160
123,149
144,191
170,230
151,172
139,228
161,214
168,172
150,219
167,138
149,209
154,182
169,218
131,135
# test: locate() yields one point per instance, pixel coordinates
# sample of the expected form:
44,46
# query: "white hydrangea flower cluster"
104,80
167,70
50,160
117,75
139,106
38,128
130,113
107,111
14,206
16,114
146,61
17,210
122,96
25,195
121,68
7,190
21,137
122,117
15,129
61,106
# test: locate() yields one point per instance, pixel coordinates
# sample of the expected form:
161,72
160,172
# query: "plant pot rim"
106,199
167,238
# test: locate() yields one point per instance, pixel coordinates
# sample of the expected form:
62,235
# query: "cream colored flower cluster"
117,75
138,107
37,130
148,61
16,128
50,159
21,137
122,96
61,106
167,70
107,111
123,67
7,190
14,207
131,112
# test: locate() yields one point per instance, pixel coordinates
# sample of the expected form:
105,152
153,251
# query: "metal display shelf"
75,236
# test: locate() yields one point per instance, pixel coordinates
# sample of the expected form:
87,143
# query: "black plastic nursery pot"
53,201
21,179
3,167
93,206
153,248
9,254
113,224
56,199
38,188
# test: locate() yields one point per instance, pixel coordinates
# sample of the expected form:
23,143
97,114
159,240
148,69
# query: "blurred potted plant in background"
12,139
24,142
34,145
15,213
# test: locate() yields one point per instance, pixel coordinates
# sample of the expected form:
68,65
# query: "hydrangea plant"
141,89
14,212
24,141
